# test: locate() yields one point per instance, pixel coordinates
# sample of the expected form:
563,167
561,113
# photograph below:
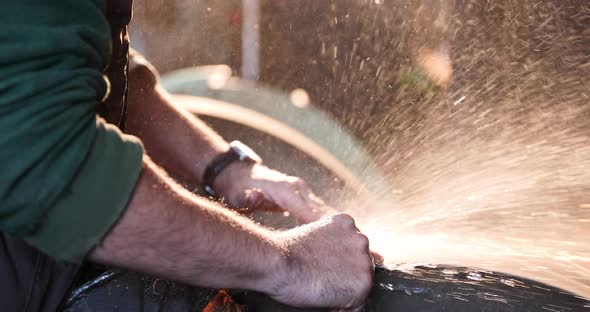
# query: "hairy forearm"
168,232
175,139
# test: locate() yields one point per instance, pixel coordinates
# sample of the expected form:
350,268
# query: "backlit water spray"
491,168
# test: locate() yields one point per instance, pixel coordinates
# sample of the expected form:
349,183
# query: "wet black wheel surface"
422,289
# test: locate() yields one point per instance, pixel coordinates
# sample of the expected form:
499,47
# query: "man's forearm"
168,232
175,139
184,146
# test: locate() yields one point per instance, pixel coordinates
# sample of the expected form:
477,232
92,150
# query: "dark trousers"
30,280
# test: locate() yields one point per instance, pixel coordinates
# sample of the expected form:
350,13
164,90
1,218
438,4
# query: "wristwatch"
238,152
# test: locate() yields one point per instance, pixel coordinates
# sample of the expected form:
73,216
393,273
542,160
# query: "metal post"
250,39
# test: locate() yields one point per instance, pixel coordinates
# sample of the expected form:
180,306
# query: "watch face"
244,152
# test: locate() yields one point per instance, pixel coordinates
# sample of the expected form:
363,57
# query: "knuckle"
344,220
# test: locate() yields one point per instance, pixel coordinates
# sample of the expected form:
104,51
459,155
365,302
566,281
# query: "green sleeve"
65,176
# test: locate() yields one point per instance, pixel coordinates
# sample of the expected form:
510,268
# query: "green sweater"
65,175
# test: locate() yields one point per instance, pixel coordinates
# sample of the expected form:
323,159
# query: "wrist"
216,177
205,159
274,266
234,179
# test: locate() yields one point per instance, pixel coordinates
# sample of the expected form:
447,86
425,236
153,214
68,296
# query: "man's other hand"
258,187
327,265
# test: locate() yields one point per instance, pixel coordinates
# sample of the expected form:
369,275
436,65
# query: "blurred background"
362,59
435,89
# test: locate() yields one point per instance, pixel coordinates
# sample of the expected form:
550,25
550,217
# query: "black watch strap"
237,152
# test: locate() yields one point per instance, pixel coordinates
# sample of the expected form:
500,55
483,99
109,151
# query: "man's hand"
258,187
328,265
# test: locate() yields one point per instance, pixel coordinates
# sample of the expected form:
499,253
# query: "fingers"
378,259
359,250
255,199
295,195
362,241
274,191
